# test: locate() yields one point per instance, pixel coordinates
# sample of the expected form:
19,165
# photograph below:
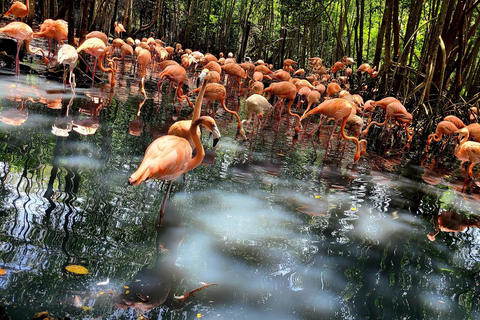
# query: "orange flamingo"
53,29
333,88
339,109
18,9
312,98
182,128
456,121
467,151
119,29
144,58
234,70
285,90
170,156
338,66
21,32
177,74
96,47
68,55
394,110
216,91
443,128
474,131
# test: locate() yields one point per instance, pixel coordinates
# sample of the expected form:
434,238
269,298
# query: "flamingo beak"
203,75
216,135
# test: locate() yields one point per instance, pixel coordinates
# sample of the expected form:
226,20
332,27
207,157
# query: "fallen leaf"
87,308
73,268
3,272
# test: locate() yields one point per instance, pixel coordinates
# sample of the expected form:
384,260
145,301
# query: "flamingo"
456,121
257,104
339,109
216,91
285,90
144,58
234,70
53,29
182,128
68,55
443,128
21,32
467,151
119,29
18,9
176,74
170,156
96,47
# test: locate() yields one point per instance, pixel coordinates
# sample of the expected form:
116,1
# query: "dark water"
281,236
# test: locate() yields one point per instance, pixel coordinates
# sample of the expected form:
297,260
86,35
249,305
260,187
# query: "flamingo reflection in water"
152,287
62,126
449,221
135,127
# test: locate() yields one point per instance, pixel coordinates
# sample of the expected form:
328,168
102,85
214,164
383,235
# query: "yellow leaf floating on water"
395,215
3,272
126,287
317,197
87,308
127,292
353,209
73,268
199,315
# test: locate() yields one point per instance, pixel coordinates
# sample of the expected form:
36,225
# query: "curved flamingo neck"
198,145
27,45
100,65
342,131
465,139
198,103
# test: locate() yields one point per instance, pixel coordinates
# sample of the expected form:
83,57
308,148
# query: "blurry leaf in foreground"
3,272
73,268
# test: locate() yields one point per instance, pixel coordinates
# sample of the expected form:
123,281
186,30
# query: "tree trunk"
152,22
207,28
71,23
84,21
381,35
396,31
114,18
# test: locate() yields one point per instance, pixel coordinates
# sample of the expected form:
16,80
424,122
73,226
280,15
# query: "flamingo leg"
328,141
94,69
164,204
17,59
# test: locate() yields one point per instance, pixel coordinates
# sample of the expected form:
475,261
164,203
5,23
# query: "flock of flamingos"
171,155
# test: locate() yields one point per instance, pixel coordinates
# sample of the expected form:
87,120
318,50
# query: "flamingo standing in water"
216,91
339,109
68,55
182,128
170,156
21,32
285,90
144,58
96,47
177,74
467,151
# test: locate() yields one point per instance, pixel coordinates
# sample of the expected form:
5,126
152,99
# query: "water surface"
281,234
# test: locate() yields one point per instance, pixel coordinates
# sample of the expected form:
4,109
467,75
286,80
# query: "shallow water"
283,236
